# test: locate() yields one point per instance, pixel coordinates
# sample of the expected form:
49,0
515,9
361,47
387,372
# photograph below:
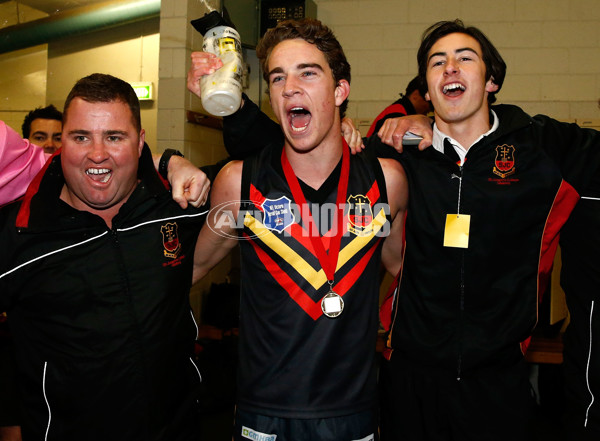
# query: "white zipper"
46,399
587,368
196,337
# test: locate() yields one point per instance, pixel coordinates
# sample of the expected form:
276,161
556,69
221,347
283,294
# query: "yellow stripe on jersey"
315,278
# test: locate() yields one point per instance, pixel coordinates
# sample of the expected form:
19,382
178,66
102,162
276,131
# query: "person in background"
411,103
43,127
95,276
308,323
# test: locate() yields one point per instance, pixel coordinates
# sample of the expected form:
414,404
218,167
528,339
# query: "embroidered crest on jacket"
505,161
171,244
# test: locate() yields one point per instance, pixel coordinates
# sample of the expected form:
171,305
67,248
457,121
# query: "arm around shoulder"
397,192
219,233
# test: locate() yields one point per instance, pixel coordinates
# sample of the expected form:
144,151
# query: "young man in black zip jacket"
485,208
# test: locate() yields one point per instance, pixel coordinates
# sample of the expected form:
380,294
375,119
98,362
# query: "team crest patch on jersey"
256,436
278,213
505,161
171,244
360,215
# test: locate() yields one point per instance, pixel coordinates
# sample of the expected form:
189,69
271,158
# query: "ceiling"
54,6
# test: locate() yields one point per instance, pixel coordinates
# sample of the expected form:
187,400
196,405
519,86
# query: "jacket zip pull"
462,282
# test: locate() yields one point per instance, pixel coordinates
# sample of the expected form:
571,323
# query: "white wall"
42,75
22,83
551,47
128,52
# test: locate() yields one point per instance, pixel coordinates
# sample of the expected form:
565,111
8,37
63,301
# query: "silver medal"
332,304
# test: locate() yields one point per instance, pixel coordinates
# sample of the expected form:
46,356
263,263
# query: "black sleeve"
249,130
576,150
374,145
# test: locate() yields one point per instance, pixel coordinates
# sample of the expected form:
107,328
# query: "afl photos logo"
171,244
505,161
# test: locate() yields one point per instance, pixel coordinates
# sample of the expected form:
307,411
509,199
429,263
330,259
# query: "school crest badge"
171,244
504,165
278,213
360,215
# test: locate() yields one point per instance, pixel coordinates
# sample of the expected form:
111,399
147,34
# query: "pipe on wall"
76,22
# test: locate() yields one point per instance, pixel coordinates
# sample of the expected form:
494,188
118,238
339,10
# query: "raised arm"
248,130
20,161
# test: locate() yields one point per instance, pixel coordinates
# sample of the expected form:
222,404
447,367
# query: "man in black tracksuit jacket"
98,301
481,230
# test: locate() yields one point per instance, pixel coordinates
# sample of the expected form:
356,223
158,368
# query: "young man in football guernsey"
486,205
314,219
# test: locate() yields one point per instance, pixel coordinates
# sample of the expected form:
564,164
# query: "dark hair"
494,64
311,31
415,84
103,88
48,112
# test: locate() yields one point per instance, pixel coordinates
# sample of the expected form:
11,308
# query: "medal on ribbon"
332,303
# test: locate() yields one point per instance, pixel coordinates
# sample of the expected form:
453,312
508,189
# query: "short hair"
48,112
311,31
103,88
415,84
494,64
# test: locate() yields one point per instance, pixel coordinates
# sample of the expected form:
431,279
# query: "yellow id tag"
456,233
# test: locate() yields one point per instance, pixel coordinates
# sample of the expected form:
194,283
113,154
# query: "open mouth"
299,118
101,175
453,89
